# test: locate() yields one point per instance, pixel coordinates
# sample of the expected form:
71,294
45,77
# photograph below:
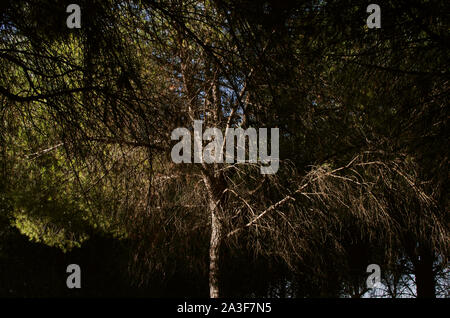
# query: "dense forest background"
86,177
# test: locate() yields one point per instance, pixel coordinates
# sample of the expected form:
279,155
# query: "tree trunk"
215,198
214,249
425,281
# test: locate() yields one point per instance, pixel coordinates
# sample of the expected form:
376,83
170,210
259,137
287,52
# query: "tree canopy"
85,141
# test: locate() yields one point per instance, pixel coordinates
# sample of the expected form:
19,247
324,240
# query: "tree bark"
215,199
425,281
214,250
